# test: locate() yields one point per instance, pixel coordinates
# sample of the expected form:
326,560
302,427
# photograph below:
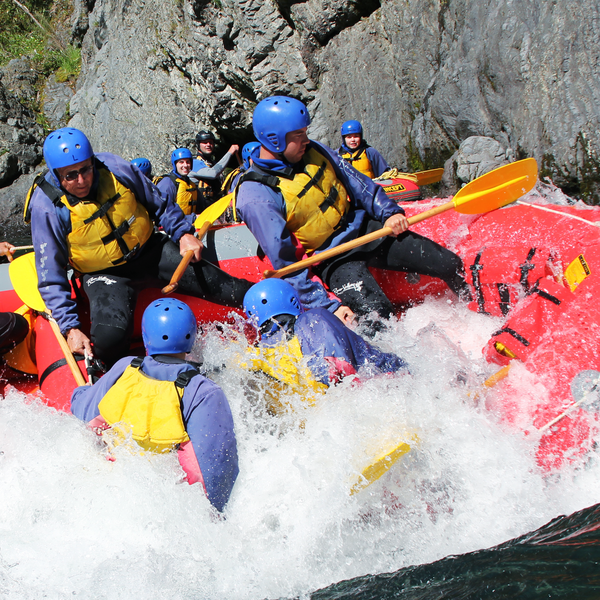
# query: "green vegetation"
28,28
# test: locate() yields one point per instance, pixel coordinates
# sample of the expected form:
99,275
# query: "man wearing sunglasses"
95,214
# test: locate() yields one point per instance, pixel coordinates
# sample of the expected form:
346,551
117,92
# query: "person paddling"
300,197
95,214
356,152
307,350
167,402
176,185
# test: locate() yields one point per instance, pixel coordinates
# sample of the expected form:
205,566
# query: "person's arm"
50,226
362,190
165,211
262,210
85,399
210,173
209,423
378,163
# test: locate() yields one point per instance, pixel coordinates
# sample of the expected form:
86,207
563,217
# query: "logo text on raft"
396,187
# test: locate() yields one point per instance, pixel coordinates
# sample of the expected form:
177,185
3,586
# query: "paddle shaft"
346,246
183,265
79,379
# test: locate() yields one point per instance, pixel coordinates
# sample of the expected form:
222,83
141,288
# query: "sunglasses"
74,175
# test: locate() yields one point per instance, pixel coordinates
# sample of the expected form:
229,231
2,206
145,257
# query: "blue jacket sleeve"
209,423
168,189
378,163
50,226
322,335
364,192
263,211
85,399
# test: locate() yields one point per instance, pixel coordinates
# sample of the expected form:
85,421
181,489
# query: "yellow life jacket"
229,180
316,201
151,407
106,231
187,193
359,160
285,364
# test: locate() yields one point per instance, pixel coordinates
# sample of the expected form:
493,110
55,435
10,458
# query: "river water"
76,525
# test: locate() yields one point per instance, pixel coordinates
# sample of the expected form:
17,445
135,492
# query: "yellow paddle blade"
427,177
214,211
23,276
497,188
381,462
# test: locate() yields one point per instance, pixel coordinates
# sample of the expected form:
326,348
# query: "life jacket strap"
313,181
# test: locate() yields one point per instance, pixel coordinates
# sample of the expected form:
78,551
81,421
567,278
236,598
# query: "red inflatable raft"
534,266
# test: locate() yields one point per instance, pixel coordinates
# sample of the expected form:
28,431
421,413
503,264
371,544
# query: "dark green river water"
559,560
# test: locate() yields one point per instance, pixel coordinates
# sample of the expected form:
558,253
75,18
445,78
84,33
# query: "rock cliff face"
422,76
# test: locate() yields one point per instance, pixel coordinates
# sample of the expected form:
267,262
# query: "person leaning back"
300,197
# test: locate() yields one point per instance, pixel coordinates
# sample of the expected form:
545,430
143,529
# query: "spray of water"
74,524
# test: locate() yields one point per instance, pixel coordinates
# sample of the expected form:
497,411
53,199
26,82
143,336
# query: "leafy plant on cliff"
29,29
19,35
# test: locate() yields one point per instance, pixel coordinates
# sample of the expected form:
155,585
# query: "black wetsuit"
112,300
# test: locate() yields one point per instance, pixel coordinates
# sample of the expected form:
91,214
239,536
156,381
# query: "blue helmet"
144,165
178,155
250,150
269,298
65,147
276,116
351,127
168,327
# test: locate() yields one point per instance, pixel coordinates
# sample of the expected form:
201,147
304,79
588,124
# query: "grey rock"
12,201
20,79
475,156
56,99
20,138
421,76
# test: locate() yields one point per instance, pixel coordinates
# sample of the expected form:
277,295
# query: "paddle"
185,261
484,194
427,177
420,177
23,276
213,212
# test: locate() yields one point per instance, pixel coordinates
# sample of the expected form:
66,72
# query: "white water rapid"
75,525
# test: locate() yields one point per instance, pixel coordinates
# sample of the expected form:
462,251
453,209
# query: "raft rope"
395,174
586,398
558,212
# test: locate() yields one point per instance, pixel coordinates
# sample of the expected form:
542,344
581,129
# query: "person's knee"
110,342
13,331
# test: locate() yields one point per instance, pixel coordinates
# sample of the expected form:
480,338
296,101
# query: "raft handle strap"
512,332
475,268
57,364
525,268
